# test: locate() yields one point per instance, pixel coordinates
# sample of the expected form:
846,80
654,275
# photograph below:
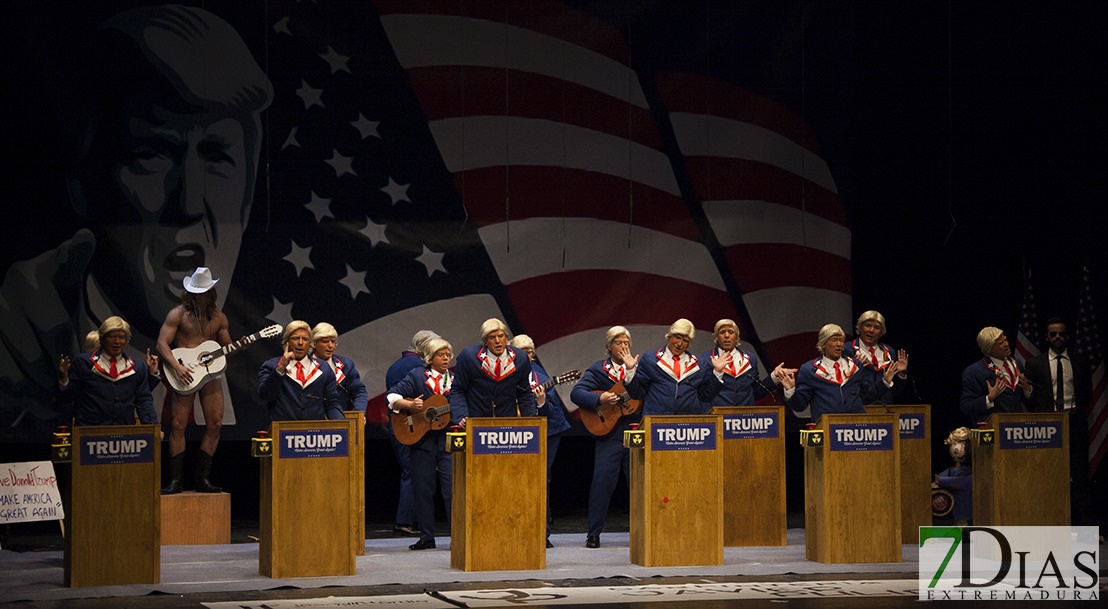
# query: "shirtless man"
195,320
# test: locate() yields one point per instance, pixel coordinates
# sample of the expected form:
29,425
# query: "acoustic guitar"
209,359
409,428
602,420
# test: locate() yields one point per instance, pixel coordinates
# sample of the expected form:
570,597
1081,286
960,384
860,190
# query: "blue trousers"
609,458
430,460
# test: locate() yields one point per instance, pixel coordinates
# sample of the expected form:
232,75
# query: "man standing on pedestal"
195,320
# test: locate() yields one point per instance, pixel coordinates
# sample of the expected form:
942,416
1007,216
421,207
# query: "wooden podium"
306,501
1021,470
677,492
114,515
357,481
852,489
915,466
754,512
498,513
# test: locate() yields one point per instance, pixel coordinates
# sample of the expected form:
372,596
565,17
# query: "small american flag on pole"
1088,345
1027,342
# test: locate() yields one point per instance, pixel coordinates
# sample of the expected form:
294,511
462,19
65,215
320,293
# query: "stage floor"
390,575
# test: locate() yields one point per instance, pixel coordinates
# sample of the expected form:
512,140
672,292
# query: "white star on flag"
336,61
282,26
281,313
354,281
366,127
320,207
374,232
431,260
342,164
310,95
291,140
300,257
396,192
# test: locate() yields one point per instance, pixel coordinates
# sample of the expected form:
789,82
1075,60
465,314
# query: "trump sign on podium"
1009,563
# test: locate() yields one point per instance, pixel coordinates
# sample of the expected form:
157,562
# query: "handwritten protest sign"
29,492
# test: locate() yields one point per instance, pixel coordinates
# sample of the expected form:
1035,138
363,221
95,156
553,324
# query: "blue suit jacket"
476,394
596,379
975,391
663,395
744,389
899,384
553,410
288,401
826,397
352,392
408,361
101,401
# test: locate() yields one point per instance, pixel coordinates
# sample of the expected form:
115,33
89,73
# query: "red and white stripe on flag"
553,148
773,206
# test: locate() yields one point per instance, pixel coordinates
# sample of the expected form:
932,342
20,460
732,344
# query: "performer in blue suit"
741,386
609,455
875,356
429,455
674,381
109,387
410,359
297,386
492,379
352,392
550,406
834,383
995,383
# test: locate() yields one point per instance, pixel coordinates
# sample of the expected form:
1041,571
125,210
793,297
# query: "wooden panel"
1022,487
305,510
915,472
113,519
357,482
754,511
504,505
192,518
681,501
854,498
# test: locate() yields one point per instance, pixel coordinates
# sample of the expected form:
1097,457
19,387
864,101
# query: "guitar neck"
558,380
231,348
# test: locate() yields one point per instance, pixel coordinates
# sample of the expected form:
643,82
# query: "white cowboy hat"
201,281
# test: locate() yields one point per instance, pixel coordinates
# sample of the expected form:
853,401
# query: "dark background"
966,140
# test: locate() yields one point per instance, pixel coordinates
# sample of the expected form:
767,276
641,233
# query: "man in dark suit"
1063,383
492,379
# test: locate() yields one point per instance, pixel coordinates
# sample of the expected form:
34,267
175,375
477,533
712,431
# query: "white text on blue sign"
313,443
683,436
862,436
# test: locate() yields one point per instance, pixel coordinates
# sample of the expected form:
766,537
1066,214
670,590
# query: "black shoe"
203,472
592,542
423,544
176,474
548,544
405,530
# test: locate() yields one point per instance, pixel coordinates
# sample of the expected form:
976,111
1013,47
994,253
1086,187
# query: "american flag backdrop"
439,163
594,201
430,164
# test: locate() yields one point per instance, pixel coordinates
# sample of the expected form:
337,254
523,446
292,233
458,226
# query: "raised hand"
152,362
63,369
720,363
788,378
